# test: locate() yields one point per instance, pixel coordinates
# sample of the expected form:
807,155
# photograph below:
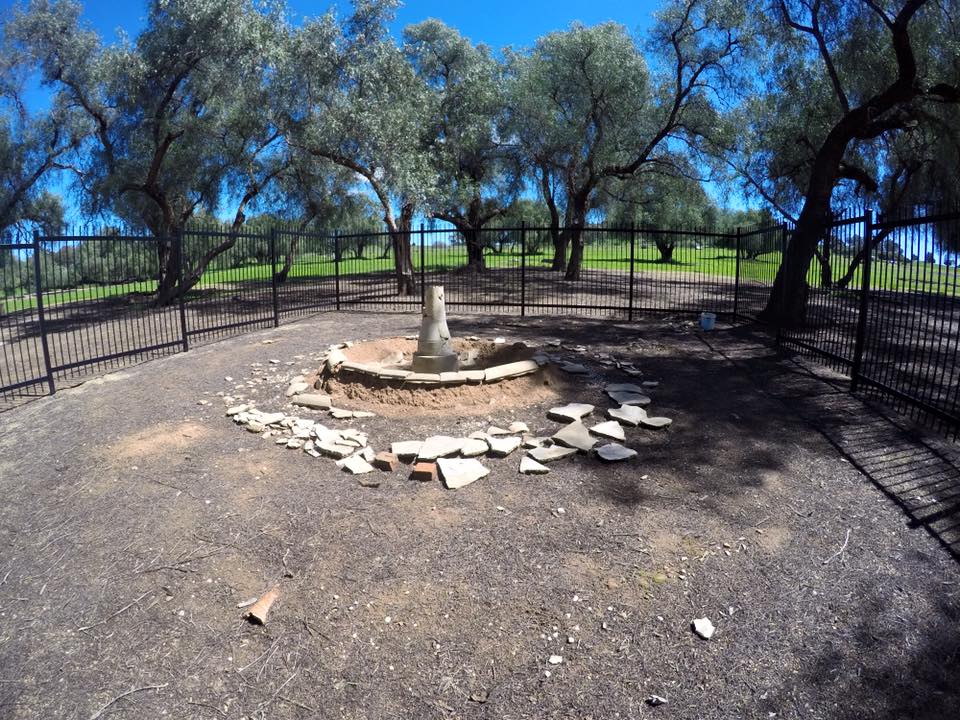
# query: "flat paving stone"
624,387
615,453
574,368
575,435
628,414
474,447
656,423
610,429
356,465
503,446
570,412
629,398
406,448
551,453
458,473
529,466
494,431
518,427
438,446
315,401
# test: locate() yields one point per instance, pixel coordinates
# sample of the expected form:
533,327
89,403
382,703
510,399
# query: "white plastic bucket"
708,320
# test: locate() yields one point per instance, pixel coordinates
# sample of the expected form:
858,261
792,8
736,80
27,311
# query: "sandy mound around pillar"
395,399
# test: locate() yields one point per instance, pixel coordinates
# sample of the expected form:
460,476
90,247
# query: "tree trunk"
561,238
475,260
576,252
665,247
787,305
402,254
288,258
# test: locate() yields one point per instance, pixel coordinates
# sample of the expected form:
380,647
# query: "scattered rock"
237,409
655,700
406,448
531,441
529,466
503,446
576,435
255,427
356,465
314,401
424,471
623,387
656,422
610,429
629,414
368,482
629,398
574,368
549,454
704,628
567,413
612,583
494,431
615,453
518,427
555,659
458,473
438,446
473,447
386,461
335,450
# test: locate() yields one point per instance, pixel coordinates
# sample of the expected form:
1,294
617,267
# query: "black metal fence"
78,305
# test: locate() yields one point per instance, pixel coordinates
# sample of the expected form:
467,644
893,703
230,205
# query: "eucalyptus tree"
182,119
587,109
361,106
473,183
850,82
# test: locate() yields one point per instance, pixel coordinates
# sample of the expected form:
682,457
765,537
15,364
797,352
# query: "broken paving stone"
503,446
386,461
623,387
340,414
356,465
572,411
574,368
474,377
704,628
255,427
438,446
629,414
555,659
650,384
295,388
406,448
629,398
474,447
335,450
615,453
294,443
575,435
656,422
459,473
314,401
655,700
494,431
424,471
509,370
610,429
237,409
518,427
549,454
531,441
478,435
529,466
367,453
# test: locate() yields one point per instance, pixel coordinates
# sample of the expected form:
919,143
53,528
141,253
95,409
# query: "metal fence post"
181,293
633,258
523,268
736,281
336,266
423,287
783,265
855,371
41,316
274,288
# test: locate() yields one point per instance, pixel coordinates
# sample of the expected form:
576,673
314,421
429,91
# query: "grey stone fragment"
452,378
628,414
237,409
438,446
628,398
529,466
367,453
474,377
458,473
614,452
340,414
573,411
494,431
335,450
393,373
530,441
624,387
418,378
610,429
255,427
406,448
656,422
315,401
271,418
503,446
575,435
514,369
335,358
518,427
650,384
356,465
574,368
704,628
549,454
478,435
473,447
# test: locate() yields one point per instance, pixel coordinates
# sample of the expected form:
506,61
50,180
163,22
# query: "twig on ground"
118,612
840,551
121,696
291,701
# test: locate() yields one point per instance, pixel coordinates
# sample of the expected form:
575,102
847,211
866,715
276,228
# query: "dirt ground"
136,520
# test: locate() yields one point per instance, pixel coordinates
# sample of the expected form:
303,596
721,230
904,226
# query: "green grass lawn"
691,263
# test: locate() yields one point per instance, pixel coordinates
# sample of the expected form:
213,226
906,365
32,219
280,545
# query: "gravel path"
136,520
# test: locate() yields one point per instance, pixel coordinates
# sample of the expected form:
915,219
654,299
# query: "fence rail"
882,301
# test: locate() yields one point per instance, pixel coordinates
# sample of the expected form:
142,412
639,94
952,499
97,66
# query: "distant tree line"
227,108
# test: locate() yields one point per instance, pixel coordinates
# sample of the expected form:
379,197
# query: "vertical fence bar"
423,272
783,269
181,294
336,267
41,317
633,257
523,268
864,299
274,289
736,278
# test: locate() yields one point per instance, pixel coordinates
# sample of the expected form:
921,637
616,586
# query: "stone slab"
628,414
406,448
628,398
438,446
610,429
503,446
356,465
624,387
458,473
615,453
529,466
551,453
509,370
474,447
474,377
570,412
575,435
315,401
